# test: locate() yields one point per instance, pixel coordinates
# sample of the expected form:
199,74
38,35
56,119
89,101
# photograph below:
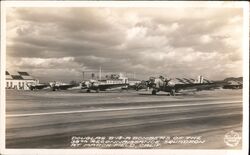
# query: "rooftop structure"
19,80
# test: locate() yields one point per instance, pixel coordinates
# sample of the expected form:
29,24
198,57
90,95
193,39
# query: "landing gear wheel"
136,88
153,92
88,91
172,93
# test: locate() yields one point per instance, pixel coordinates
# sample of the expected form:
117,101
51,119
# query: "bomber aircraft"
38,86
176,85
61,86
100,86
233,85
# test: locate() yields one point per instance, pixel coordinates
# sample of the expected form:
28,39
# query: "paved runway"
45,119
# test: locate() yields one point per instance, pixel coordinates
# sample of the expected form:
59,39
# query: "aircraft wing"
41,86
65,87
109,86
38,87
198,86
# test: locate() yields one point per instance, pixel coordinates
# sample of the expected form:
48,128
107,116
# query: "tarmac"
46,119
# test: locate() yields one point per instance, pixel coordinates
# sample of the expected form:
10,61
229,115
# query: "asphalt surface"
46,119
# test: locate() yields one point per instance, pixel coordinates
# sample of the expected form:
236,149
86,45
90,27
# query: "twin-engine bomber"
99,86
173,86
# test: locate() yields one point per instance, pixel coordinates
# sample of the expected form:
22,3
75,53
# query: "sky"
59,43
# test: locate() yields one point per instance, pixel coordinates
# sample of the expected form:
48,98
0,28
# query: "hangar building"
19,80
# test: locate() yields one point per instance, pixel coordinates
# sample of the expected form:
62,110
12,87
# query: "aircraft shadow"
180,94
103,92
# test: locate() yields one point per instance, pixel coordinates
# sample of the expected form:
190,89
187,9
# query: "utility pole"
83,76
100,73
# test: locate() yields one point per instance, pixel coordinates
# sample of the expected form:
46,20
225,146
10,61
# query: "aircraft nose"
95,84
83,84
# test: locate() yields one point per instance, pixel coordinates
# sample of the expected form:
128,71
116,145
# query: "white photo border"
245,132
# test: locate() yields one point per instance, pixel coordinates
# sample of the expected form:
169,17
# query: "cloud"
176,42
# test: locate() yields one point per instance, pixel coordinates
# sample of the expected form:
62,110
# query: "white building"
19,80
120,79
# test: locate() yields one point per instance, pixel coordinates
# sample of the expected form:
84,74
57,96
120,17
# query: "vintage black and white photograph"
124,77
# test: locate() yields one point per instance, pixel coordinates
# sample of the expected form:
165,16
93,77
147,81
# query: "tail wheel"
154,92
